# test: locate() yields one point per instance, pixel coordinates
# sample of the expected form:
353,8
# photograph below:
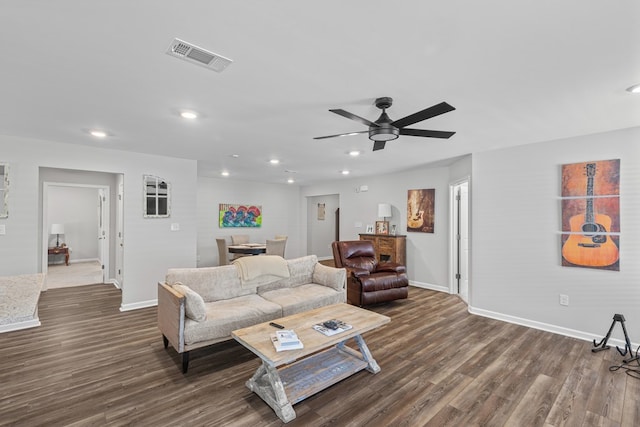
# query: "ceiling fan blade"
427,133
341,134
352,116
427,113
378,145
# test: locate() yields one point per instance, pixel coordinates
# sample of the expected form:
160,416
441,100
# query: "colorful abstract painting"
240,215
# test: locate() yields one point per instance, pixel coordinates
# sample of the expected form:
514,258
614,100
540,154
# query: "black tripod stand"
602,345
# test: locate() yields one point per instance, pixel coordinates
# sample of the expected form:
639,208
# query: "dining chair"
276,247
223,253
239,239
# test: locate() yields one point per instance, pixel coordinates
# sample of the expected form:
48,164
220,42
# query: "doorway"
322,222
460,219
81,215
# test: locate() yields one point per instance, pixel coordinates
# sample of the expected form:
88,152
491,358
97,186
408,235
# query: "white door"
460,243
103,227
120,234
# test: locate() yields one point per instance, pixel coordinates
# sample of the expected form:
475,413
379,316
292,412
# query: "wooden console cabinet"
389,248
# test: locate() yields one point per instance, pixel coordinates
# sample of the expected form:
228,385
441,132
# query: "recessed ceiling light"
189,115
290,181
274,161
224,173
354,153
344,172
235,156
634,88
98,133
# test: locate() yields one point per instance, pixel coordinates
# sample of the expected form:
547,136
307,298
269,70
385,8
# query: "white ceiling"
517,72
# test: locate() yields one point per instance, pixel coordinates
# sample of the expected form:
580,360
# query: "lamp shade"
384,210
57,228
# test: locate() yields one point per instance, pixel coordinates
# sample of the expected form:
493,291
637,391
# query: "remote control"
275,325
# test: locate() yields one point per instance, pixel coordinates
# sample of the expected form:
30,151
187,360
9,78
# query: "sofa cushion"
329,276
383,281
211,283
228,315
305,297
194,304
300,273
253,267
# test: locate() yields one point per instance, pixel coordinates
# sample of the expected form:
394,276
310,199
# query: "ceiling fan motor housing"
385,131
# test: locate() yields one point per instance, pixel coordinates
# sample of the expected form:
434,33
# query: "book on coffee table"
286,340
331,327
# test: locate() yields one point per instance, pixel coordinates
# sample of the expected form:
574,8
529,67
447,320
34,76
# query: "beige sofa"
198,307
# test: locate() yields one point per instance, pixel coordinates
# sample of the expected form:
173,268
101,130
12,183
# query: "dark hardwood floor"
91,365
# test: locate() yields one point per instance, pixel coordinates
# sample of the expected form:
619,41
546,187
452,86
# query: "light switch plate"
3,230
175,226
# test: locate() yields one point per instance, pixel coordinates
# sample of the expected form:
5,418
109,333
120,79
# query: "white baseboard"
20,325
114,282
581,335
429,286
76,261
138,305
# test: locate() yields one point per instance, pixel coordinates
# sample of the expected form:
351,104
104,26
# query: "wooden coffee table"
285,378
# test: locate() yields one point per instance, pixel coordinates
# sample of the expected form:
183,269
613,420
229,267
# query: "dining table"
248,249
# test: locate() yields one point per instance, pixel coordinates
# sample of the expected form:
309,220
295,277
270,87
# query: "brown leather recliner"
368,281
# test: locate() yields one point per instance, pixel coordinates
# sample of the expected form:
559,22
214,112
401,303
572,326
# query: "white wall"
280,214
320,233
427,253
77,209
516,271
150,246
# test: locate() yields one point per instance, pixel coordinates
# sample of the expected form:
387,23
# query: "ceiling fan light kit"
384,129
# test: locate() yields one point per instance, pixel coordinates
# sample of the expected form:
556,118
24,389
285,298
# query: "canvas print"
421,210
321,211
231,215
591,214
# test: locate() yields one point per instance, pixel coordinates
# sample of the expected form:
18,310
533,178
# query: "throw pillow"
194,305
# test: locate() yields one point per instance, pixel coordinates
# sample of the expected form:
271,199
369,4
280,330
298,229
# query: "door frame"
45,235
454,257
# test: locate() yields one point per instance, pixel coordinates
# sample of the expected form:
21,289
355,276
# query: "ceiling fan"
384,129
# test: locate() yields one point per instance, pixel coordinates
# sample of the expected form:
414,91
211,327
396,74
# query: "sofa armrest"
359,272
171,315
332,277
391,266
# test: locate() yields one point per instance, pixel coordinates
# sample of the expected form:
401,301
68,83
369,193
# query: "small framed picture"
369,229
382,227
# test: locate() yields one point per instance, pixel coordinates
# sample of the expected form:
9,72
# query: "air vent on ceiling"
197,55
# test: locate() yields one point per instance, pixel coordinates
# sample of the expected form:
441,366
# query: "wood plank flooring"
91,365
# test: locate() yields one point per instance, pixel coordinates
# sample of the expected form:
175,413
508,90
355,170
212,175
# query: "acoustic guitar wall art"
590,243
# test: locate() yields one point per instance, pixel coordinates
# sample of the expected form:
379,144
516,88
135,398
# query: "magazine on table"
332,327
286,340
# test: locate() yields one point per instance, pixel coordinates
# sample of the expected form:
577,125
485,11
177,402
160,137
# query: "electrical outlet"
564,299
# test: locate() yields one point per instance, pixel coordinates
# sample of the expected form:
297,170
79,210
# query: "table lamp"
57,229
384,210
